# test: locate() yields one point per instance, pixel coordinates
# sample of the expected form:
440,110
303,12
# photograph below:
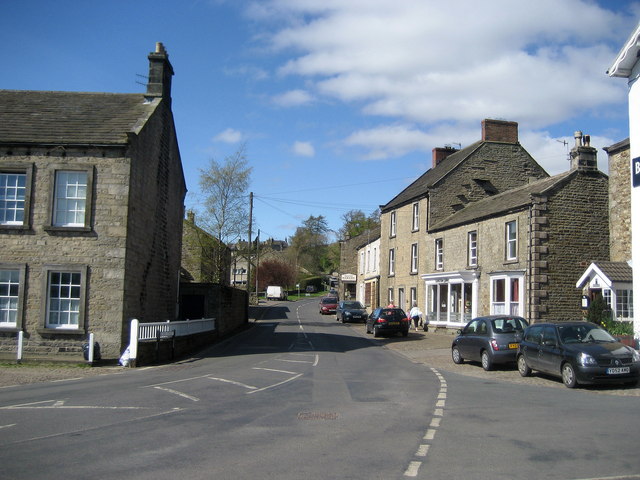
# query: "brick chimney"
160,73
440,153
499,131
584,157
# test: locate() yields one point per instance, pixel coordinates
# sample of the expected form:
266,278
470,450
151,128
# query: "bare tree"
225,185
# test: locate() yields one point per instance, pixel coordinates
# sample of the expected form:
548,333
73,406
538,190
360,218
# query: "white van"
276,293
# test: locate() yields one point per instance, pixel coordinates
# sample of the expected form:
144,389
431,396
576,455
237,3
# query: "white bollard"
20,340
90,359
133,342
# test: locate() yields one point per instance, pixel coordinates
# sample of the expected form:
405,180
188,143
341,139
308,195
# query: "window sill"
14,228
53,230
511,262
61,331
9,330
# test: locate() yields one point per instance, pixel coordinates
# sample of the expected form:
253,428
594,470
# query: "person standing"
415,314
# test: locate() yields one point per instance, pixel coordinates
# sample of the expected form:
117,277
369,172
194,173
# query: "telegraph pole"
249,250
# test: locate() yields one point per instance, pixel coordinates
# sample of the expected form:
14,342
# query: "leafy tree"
226,208
356,222
309,244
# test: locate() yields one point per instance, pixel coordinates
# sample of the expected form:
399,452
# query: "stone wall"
154,224
577,227
620,201
403,278
98,251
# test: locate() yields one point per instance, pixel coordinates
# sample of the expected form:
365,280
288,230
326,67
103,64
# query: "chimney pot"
578,136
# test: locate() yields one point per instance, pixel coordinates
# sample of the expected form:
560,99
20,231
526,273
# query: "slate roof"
71,118
510,201
431,177
616,271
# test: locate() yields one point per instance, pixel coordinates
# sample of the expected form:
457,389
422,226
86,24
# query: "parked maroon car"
328,305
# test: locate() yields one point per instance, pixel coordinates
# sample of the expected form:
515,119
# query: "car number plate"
513,345
617,370
394,323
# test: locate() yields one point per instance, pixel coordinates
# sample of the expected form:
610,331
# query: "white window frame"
511,240
414,258
13,197
392,225
624,304
67,307
507,306
11,296
70,198
439,254
390,295
392,261
472,248
362,263
416,217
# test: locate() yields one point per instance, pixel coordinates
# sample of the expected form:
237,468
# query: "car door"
530,346
468,339
549,355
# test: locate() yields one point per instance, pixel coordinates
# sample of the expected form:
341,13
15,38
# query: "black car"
577,352
489,340
388,321
351,311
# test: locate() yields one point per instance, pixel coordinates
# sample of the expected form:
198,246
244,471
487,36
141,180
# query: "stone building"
613,279
368,277
520,252
458,178
91,209
205,259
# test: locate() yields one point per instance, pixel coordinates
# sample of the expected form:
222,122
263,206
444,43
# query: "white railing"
149,331
141,332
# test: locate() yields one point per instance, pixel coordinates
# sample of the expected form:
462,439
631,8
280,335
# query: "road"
301,396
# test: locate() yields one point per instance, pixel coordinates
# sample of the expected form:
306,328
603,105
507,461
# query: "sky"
338,103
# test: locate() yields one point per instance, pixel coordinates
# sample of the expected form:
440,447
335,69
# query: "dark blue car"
351,311
577,352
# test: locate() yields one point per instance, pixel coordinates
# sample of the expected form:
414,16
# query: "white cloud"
553,153
431,65
303,149
229,136
293,98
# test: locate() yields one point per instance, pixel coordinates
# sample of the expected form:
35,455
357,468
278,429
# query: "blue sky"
339,102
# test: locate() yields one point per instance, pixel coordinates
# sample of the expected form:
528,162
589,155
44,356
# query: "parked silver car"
489,340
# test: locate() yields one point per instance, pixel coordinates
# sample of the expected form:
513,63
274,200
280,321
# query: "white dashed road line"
438,412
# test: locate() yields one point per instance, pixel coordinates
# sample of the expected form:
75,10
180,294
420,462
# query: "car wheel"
405,333
487,364
366,325
376,333
523,368
455,355
568,375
